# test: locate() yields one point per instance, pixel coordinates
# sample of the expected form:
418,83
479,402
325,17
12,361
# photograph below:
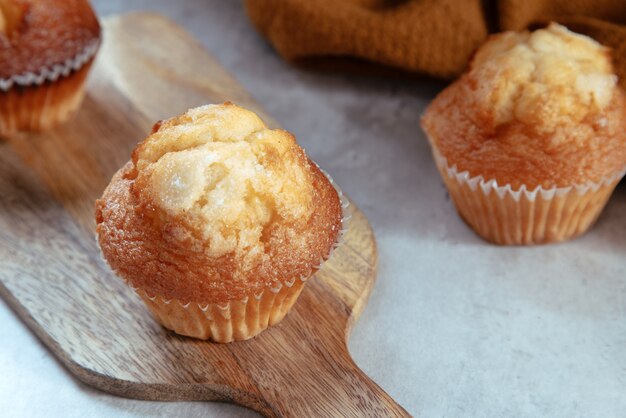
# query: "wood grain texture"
52,274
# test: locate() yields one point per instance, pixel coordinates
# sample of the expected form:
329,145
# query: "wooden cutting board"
52,275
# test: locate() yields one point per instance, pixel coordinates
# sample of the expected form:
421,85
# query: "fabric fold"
427,37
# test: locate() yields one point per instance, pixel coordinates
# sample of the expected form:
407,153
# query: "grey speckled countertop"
455,326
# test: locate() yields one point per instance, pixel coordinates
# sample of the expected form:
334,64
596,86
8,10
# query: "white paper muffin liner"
504,215
52,73
239,319
488,186
235,321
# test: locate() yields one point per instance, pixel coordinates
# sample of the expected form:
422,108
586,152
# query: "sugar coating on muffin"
227,175
215,207
543,77
533,109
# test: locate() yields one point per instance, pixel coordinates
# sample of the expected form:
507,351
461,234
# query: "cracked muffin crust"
215,207
535,108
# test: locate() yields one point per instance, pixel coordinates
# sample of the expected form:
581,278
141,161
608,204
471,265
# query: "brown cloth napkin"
430,37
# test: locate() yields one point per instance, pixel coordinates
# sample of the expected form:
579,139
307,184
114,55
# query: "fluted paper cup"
233,321
36,101
524,216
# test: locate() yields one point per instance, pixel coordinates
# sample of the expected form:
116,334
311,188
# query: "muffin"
217,222
46,50
531,140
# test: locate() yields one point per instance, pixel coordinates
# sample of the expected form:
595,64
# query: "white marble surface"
454,327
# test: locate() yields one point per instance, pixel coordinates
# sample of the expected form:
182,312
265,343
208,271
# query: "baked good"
217,222
531,140
46,50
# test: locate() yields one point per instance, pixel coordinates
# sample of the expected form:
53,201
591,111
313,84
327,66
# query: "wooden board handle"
307,371
326,386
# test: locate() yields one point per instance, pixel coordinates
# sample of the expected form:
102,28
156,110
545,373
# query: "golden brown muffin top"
540,108
214,206
37,34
